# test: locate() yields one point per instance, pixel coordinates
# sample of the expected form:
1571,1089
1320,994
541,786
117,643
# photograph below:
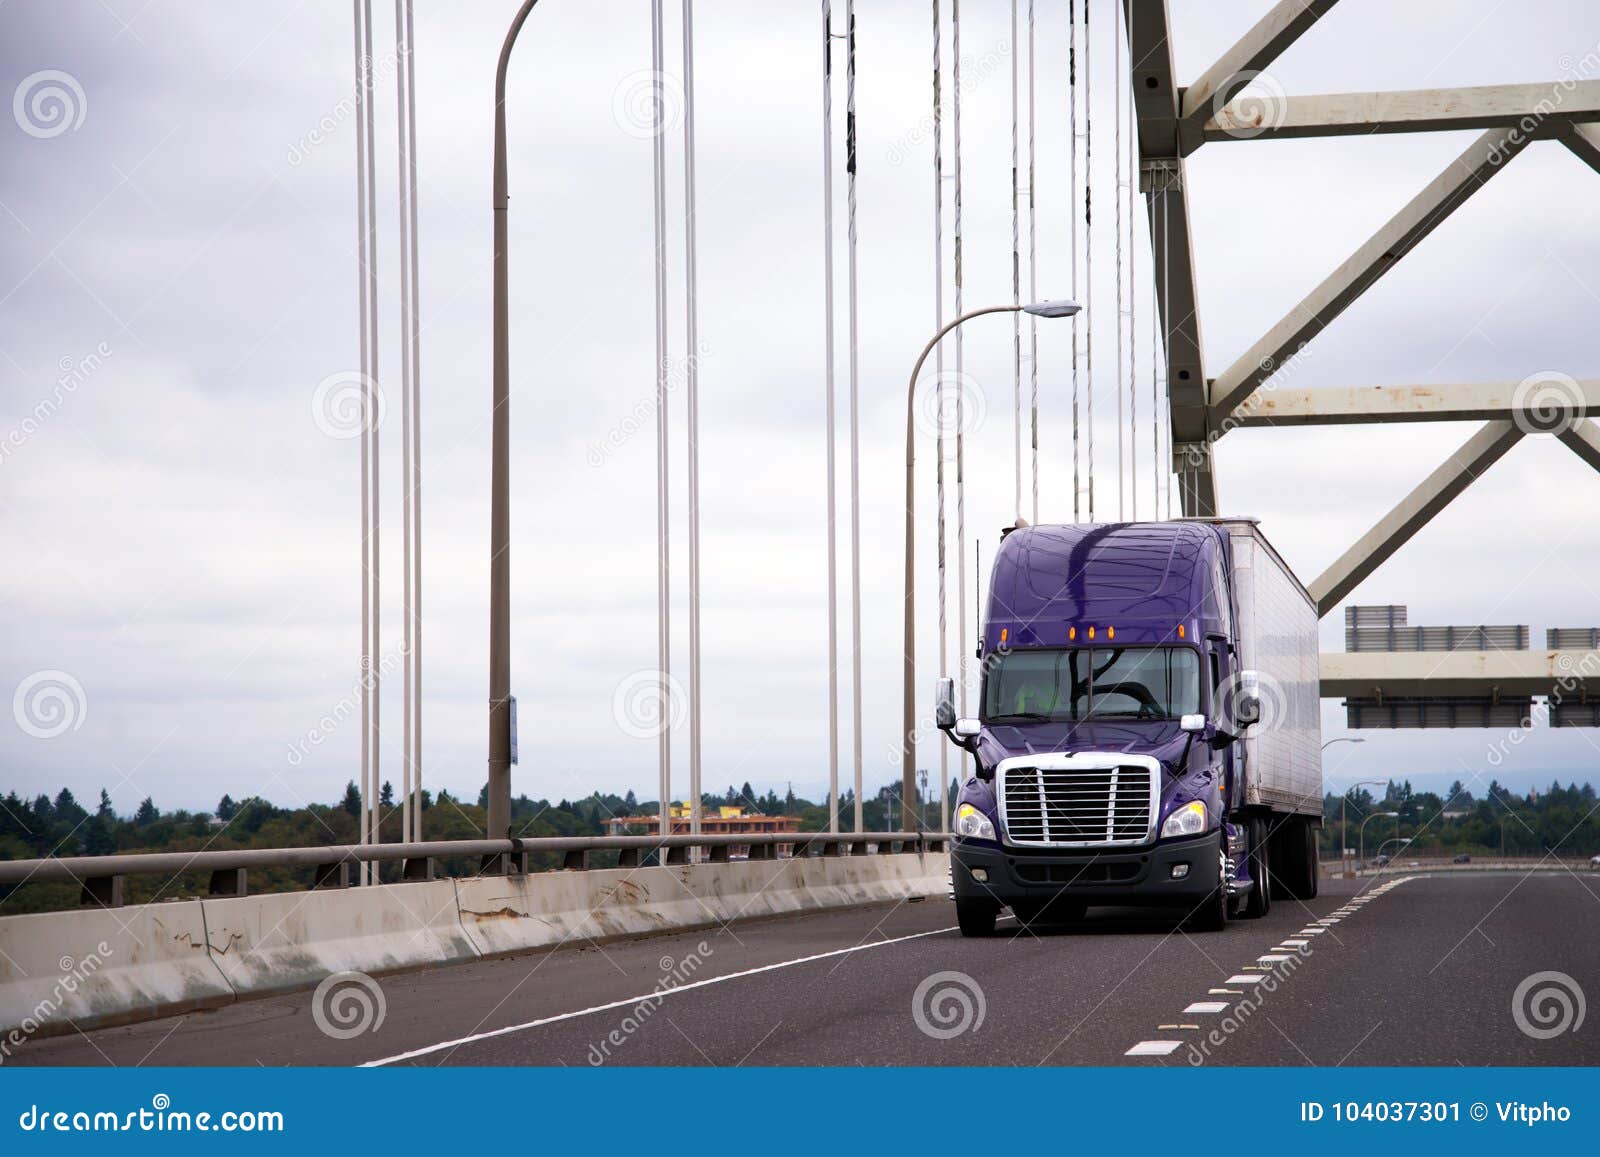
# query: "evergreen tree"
226,808
352,799
386,796
104,810
147,813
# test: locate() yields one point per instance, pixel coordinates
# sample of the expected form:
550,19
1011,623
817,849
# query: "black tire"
1295,875
1313,875
1259,902
1212,914
976,917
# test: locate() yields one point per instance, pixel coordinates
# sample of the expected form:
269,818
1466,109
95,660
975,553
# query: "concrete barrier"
66,970
102,966
515,913
289,940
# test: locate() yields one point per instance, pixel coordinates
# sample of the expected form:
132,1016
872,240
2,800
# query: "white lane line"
1245,978
1311,932
631,1001
1154,1048
1206,1006
1273,958
1294,944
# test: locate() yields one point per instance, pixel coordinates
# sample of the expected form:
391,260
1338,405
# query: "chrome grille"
1055,806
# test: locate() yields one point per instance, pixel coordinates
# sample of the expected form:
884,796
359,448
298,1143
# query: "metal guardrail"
101,877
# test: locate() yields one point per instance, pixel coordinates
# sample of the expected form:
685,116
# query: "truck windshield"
1093,683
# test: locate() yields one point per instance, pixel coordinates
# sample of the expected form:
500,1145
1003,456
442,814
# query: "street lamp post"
499,809
908,738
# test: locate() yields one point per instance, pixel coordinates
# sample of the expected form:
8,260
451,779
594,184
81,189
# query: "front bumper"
1131,876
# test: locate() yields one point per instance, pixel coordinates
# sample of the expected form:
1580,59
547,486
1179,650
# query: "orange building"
722,821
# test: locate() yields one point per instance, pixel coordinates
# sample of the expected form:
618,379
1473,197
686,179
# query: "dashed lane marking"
1154,1048
1206,1006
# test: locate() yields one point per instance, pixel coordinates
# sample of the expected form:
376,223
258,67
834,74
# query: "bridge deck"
1385,984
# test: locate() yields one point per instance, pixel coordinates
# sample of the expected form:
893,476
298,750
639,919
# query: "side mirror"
966,729
1192,723
944,704
1247,700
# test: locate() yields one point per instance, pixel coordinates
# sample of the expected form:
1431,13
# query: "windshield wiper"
1025,716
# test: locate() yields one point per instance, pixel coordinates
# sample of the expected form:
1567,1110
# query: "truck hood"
1164,741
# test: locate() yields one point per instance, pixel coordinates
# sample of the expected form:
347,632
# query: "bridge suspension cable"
1033,270
367,304
942,387
1072,232
1016,278
1116,194
955,259
828,385
855,409
692,392
1088,249
663,473
411,421
1133,292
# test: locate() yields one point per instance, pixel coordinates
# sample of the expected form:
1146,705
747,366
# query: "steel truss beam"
1405,230
1474,674
1166,117
1155,95
1456,402
1584,141
1413,512
1173,122
1527,107
1583,439
1257,49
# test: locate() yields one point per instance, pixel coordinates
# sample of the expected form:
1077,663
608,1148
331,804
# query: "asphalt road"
1419,972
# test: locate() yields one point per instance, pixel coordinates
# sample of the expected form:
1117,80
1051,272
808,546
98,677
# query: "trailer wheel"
1259,902
1313,875
1297,861
976,917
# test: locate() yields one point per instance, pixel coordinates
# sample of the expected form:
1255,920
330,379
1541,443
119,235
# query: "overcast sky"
180,534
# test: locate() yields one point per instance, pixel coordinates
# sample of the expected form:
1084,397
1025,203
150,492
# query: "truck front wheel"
1259,902
1212,914
976,916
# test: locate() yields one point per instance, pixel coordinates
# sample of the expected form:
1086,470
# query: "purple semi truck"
1148,727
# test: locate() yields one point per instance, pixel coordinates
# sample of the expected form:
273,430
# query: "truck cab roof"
1134,583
